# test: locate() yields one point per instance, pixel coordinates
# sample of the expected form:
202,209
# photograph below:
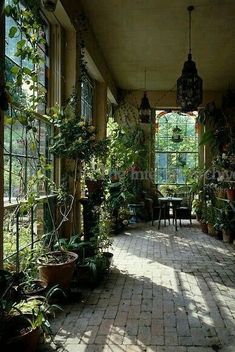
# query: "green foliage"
211,214
31,27
69,244
75,139
127,148
225,219
126,159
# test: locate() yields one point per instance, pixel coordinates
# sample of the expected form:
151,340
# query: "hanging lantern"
189,85
177,135
49,5
145,110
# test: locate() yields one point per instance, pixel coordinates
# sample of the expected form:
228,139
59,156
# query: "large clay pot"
94,186
226,236
221,193
211,229
58,273
204,227
108,258
231,194
20,337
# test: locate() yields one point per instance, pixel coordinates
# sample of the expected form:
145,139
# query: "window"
26,138
174,160
20,156
87,97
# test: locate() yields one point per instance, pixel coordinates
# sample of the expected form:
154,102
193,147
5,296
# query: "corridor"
167,291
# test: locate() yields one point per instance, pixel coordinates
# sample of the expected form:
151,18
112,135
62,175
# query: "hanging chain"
190,9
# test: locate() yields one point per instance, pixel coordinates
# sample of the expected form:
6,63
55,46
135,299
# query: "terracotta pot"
221,193
204,227
58,273
26,340
211,229
227,236
231,194
108,258
38,288
94,186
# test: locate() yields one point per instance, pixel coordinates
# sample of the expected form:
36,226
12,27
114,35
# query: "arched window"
176,148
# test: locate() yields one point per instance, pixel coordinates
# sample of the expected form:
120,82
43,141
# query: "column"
100,113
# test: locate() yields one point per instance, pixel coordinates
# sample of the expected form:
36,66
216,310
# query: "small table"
174,201
135,210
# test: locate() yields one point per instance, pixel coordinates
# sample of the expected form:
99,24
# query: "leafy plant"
225,219
75,138
69,244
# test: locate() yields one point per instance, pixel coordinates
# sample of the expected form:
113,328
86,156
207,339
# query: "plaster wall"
167,99
2,52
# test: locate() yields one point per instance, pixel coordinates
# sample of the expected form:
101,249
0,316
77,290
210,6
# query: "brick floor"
167,292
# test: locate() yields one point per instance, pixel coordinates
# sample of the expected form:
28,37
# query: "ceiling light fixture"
145,110
189,85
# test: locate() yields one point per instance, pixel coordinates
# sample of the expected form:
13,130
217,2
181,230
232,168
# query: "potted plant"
57,267
34,287
197,208
226,222
22,319
91,269
211,219
231,193
203,220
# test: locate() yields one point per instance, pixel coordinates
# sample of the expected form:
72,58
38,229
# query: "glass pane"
7,138
18,139
42,73
171,175
12,42
18,177
180,176
6,178
161,176
32,144
43,133
162,160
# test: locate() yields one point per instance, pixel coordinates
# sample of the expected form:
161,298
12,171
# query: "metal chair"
184,210
160,210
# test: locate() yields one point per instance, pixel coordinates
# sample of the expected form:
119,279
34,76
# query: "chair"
160,210
184,211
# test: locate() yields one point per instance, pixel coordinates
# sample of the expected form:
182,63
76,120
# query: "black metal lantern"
177,135
145,110
189,85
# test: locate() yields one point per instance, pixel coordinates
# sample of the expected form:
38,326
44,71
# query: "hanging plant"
76,138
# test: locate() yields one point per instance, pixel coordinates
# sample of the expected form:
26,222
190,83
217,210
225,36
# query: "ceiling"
134,34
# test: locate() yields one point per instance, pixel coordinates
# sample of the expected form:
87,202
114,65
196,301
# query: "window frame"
172,153
87,100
